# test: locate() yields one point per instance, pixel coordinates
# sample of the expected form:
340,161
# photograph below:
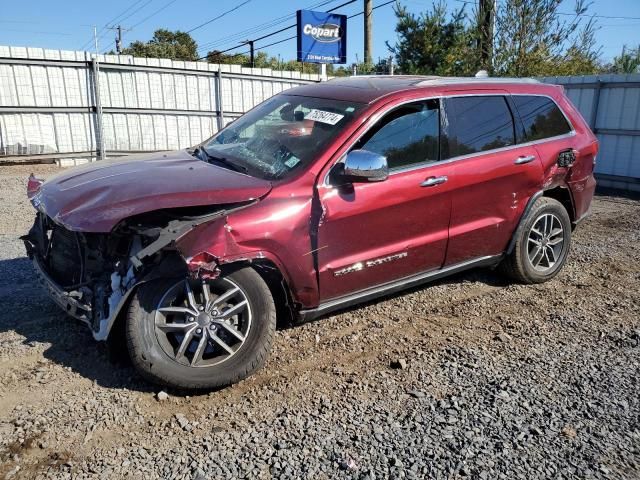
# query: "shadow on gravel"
487,276
28,311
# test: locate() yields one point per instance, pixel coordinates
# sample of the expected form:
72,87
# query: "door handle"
524,159
432,181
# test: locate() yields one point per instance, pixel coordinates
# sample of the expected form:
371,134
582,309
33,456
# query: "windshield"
282,135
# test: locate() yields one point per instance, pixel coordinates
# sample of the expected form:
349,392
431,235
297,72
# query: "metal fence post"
595,105
98,110
218,80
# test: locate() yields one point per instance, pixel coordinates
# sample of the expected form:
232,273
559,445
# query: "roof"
368,88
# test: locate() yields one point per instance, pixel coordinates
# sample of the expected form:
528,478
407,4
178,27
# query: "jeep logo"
327,33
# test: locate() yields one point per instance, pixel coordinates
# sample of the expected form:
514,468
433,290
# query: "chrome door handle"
431,181
522,160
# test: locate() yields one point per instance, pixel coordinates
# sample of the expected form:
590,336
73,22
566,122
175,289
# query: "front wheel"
201,334
542,243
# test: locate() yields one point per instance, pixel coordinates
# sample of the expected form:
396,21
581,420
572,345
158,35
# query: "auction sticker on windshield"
321,116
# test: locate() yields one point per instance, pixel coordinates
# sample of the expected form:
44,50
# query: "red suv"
321,197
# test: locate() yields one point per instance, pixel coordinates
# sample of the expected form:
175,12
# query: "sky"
68,24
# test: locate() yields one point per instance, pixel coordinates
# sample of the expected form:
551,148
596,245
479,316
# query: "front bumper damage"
73,304
106,285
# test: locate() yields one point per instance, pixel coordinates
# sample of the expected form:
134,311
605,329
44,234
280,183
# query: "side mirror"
361,166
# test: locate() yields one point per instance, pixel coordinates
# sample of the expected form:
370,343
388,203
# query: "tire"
156,346
519,264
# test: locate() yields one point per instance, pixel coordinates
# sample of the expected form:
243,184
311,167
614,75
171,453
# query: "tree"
533,39
434,45
627,62
165,44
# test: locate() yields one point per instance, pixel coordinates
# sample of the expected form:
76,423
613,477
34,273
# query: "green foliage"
165,44
531,38
434,45
627,62
261,60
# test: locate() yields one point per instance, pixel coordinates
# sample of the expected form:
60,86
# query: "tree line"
530,38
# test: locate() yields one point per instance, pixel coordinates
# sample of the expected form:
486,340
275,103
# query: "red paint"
96,196
473,214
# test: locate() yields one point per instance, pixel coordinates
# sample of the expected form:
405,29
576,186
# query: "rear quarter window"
541,117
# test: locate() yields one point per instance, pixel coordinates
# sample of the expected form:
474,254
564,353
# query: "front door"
375,233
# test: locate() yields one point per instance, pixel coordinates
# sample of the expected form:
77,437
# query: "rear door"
374,233
493,177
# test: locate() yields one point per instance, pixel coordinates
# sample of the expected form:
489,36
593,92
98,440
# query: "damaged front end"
92,275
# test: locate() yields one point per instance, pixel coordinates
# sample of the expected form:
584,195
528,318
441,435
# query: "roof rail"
448,80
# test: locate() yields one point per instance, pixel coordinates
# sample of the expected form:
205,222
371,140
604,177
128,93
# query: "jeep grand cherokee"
319,198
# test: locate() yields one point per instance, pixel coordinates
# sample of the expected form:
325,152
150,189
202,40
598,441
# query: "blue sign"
322,37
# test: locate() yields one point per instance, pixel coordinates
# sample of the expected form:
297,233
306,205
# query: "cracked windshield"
280,136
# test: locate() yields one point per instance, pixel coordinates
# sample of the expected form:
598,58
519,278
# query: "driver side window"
406,136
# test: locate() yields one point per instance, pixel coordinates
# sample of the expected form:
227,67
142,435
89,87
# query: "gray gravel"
470,377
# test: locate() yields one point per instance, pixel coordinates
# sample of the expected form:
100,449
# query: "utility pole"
486,18
368,30
119,31
390,64
251,52
119,40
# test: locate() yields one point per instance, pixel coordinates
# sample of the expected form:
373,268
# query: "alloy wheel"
202,324
545,242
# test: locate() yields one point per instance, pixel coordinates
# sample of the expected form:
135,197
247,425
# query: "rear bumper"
68,301
582,192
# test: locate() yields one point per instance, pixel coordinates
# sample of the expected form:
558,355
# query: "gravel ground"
469,377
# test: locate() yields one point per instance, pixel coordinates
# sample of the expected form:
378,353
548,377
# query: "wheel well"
278,286
562,195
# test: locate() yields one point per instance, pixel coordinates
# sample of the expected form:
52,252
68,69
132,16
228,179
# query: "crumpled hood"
95,197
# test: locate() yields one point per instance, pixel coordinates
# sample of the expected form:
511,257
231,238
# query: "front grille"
64,256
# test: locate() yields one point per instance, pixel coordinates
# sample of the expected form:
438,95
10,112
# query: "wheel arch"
563,195
277,281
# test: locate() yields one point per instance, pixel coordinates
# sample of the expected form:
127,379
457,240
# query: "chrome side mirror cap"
363,166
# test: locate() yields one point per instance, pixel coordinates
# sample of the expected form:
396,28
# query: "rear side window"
541,117
406,136
475,124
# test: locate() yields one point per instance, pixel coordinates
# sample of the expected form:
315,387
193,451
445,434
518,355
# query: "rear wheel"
542,243
201,334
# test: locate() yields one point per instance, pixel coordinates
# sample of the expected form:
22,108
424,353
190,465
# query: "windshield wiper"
224,161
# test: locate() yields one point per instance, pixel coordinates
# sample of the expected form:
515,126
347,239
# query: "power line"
135,11
289,27
219,16
295,36
166,5
155,12
598,16
594,15
258,28
110,22
35,32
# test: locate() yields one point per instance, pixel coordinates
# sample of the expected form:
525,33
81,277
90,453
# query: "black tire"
517,265
154,364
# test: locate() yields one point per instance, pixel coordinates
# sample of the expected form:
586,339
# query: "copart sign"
322,37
